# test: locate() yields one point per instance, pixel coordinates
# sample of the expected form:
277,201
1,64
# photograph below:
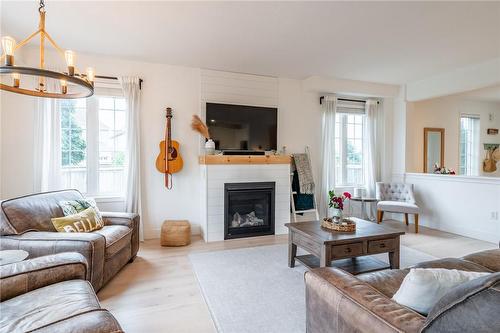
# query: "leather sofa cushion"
117,237
47,305
470,307
398,207
489,259
389,281
386,281
453,263
33,212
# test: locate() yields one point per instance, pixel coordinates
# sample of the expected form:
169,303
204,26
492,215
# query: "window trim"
92,140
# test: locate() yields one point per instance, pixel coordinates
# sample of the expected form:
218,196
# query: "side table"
363,207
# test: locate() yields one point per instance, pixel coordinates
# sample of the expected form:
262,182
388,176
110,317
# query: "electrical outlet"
494,215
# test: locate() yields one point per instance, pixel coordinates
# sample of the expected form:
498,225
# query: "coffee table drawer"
382,245
307,244
347,250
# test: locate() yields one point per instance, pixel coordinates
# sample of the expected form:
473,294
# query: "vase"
209,147
337,214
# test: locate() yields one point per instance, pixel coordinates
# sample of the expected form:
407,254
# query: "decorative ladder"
292,193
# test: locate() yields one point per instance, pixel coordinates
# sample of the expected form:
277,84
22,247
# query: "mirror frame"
432,129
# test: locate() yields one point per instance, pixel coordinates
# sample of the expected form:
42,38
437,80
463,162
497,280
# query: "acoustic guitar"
169,160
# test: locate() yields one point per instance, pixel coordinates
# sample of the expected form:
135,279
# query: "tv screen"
242,127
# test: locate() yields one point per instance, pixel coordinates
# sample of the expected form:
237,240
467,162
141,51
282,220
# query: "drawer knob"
348,250
382,245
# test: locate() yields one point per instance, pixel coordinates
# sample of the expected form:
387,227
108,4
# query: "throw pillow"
85,221
71,207
423,287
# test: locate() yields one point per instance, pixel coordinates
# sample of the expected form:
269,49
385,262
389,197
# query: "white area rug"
252,290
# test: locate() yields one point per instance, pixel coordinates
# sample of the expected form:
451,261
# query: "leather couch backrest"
33,212
469,307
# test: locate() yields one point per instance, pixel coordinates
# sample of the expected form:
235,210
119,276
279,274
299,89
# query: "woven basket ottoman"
175,233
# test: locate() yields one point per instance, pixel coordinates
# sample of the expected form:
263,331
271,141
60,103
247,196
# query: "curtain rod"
346,100
115,78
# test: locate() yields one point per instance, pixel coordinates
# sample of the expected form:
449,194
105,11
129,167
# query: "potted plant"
337,203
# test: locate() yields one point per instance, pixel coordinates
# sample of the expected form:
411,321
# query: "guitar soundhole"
172,153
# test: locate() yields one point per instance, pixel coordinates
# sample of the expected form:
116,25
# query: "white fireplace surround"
216,175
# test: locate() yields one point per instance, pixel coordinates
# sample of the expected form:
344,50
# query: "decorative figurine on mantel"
199,126
338,222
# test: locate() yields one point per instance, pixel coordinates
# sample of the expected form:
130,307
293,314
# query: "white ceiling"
389,42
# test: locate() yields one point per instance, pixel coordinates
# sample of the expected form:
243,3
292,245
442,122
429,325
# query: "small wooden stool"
175,233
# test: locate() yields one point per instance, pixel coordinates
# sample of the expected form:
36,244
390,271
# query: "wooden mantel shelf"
245,159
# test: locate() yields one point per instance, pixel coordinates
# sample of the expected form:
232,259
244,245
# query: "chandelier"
17,79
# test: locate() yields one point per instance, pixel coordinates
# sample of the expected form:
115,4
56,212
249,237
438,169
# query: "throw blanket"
303,167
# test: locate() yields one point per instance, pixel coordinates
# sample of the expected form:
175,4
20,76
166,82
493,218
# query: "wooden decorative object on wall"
169,159
492,131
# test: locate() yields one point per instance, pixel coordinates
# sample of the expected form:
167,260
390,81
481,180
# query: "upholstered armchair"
25,224
50,294
396,198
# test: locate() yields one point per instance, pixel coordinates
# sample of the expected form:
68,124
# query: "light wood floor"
159,292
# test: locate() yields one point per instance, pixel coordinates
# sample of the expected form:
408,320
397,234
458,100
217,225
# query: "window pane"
106,103
469,145
349,150
120,104
73,143
112,141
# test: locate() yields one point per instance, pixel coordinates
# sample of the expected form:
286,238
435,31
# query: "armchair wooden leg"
406,218
380,215
416,223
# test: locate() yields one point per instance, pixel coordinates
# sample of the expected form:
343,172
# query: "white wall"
468,206
445,113
186,90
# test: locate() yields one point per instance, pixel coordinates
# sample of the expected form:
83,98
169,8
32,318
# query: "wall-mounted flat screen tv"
242,127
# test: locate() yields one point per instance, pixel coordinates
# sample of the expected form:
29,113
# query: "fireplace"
248,209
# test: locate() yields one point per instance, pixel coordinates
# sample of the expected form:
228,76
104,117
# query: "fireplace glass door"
249,209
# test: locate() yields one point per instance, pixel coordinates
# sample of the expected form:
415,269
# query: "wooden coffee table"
347,250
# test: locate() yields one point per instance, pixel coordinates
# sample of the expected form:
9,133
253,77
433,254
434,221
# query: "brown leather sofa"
50,294
25,224
337,301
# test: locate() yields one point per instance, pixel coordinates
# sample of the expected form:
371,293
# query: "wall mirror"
433,148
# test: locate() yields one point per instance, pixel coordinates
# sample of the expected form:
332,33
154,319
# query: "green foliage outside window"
73,144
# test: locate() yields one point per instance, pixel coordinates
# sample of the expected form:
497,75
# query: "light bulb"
70,61
8,45
90,74
64,86
15,78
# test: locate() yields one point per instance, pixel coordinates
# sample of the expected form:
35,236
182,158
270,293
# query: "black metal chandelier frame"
84,82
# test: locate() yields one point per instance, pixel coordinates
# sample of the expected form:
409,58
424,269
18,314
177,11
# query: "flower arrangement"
337,201
443,170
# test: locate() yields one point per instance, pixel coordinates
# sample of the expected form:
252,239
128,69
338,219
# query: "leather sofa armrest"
21,277
130,220
337,301
93,321
118,218
41,243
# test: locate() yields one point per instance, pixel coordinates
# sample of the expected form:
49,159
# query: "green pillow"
84,221
71,207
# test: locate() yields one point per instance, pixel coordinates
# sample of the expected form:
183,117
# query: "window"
349,123
93,143
469,145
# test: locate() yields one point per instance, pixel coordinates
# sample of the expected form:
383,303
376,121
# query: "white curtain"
329,107
47,144
132,93
372,133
